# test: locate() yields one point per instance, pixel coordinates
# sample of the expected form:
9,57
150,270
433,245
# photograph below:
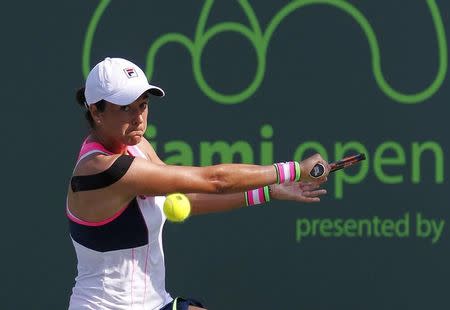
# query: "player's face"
126,124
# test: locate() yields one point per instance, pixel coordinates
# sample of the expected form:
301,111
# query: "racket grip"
336,167
317,171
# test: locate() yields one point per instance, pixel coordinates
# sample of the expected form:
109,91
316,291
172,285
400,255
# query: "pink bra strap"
90,146
136,152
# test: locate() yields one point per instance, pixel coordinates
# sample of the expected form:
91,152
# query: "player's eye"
125,108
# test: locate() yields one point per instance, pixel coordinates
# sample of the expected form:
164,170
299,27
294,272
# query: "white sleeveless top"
121,259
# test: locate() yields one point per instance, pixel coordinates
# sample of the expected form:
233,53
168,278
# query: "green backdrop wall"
246,81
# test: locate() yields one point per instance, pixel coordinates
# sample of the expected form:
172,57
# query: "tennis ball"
177,207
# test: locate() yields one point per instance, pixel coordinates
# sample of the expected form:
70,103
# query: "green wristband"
246,199
298,171
267,193
277,172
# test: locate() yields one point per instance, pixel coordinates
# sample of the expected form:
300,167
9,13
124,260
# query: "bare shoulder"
95,163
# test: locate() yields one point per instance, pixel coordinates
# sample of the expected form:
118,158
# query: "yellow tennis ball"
177,207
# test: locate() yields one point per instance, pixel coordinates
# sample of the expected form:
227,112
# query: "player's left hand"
297,191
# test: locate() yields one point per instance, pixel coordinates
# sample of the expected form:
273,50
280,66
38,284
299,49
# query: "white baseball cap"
118,81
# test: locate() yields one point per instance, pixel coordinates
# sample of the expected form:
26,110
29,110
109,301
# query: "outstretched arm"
206,203
300,191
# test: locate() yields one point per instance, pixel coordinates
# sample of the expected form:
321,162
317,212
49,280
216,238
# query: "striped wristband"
288,172
257,196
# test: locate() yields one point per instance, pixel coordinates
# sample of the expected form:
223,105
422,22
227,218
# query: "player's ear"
95,113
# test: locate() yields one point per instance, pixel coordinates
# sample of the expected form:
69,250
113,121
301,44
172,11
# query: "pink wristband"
257,196
287,172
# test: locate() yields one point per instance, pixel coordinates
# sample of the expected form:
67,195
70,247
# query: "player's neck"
110,144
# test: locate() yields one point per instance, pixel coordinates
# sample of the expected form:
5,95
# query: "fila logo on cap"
130,72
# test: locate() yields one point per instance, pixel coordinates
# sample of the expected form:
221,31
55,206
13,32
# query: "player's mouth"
136,132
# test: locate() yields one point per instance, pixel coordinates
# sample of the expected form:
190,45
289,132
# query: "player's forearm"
235,178
210,203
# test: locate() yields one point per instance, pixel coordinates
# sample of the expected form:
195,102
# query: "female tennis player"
116,193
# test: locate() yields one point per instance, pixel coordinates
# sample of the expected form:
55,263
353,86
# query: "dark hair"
81,100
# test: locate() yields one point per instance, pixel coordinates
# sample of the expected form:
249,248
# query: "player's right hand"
307,167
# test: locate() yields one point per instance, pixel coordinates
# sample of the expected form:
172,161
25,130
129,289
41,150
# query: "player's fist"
314,169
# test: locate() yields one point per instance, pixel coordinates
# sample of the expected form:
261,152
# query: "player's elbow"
219,180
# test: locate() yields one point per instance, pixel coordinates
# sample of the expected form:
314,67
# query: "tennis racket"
319,169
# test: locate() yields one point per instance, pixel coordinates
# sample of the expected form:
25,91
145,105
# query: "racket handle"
317,171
